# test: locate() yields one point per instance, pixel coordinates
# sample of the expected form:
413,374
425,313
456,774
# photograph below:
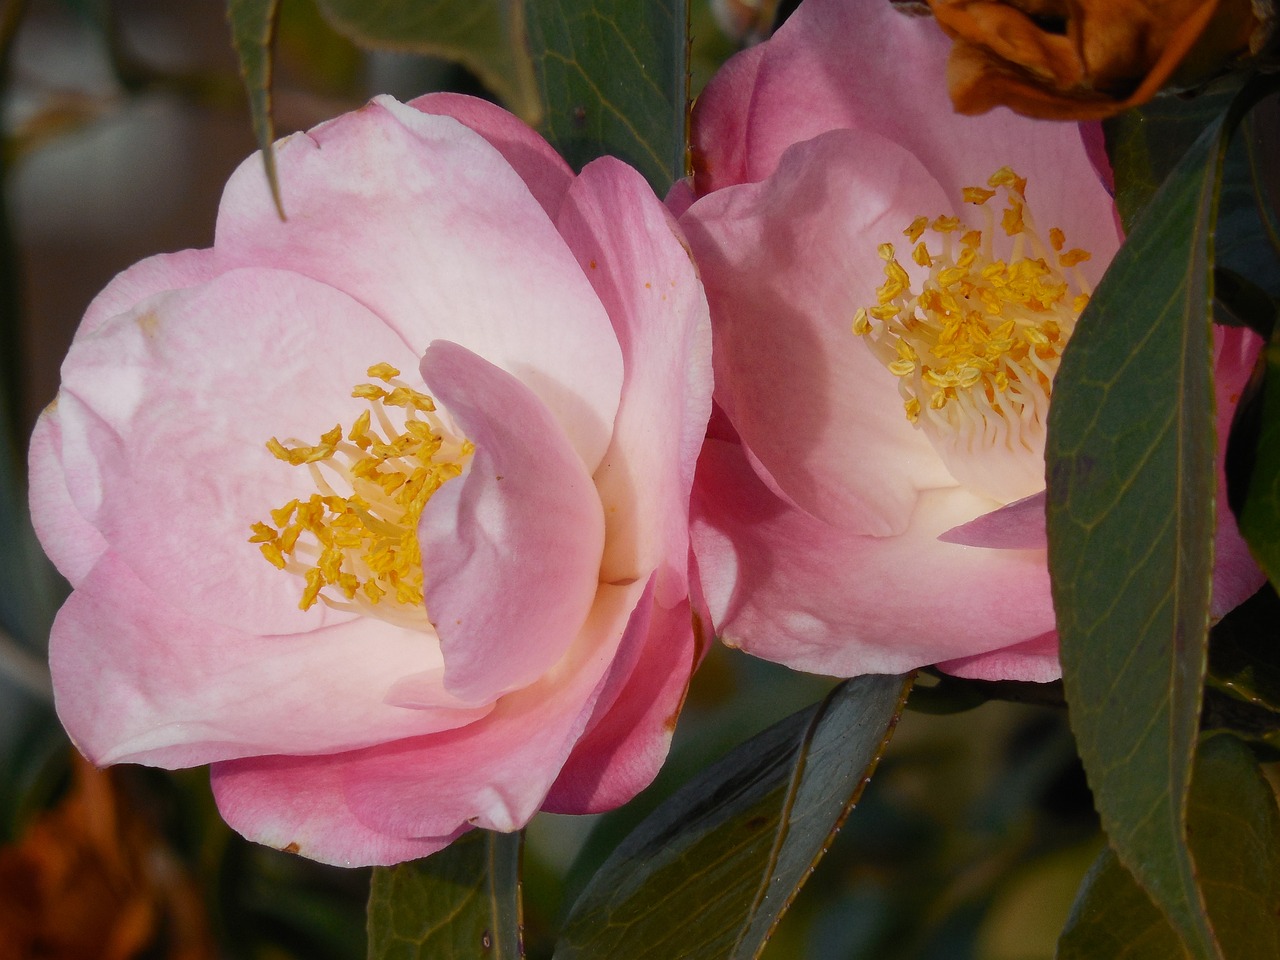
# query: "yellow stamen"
355,549
983,336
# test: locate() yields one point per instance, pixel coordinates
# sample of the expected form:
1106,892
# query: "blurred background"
121,120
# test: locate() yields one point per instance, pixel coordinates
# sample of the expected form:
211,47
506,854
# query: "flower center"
354,542
976,349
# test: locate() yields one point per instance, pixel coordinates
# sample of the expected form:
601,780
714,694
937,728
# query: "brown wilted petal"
89,880
1085,59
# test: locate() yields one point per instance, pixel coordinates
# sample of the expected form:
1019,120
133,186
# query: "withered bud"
1088,59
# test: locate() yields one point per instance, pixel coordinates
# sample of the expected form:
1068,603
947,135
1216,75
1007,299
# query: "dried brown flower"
90,880
1087,59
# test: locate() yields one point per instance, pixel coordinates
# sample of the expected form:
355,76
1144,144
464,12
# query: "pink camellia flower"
891,287
382,510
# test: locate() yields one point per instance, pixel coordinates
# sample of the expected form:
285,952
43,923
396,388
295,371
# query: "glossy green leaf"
711,871
1145,144
252,25
1130,460
614,78
1244,658
1235,839
462,903
486,36
1245,242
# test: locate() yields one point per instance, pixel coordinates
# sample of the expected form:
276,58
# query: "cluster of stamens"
356,547
982,338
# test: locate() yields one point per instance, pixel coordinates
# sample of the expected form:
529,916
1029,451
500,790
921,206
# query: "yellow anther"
1074,256
282,515
362,546
1005,177
1012,219
902,368
262,533
986,329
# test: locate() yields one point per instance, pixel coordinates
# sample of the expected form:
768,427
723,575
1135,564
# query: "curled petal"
511,550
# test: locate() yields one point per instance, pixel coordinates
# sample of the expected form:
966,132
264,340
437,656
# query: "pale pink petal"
1034,660
1015,526
542,169
298,804
140,680
165,414
452,247
721,121
786,264
1236,576
165,271
511,550
72,543
863,65
494,773
630,732
792,589
623,239
680,197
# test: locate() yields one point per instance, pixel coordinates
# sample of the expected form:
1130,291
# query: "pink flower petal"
622,237
786,264
1015,526
158,274
493,773
830,67
72,543
542,169
298,804
630,731
792,589
1236,576
174,689
452,247
722,123
511,550
1034,660
164,429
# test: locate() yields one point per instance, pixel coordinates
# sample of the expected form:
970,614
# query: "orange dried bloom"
1087,59
91,881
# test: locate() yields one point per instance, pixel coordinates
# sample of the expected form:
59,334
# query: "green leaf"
1260,517
459,904
1235,838
486,36
1130,461
1244,658
1145,144
711,871
614,78
252,25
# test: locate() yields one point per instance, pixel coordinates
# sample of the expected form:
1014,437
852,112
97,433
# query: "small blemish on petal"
148,322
